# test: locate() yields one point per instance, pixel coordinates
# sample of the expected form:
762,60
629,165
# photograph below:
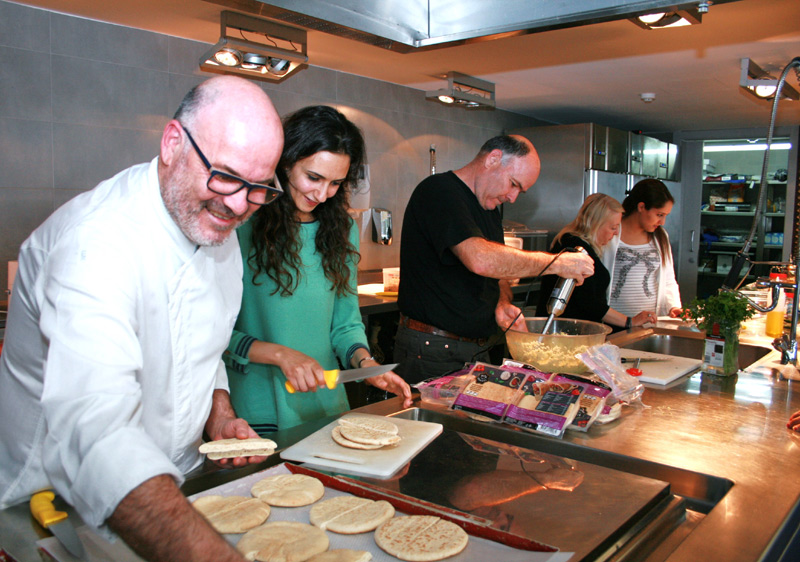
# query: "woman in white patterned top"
640,258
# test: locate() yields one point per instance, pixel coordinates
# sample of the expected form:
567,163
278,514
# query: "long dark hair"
654,194
276,245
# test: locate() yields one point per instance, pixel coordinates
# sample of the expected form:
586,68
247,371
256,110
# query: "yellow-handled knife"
335,376
56,522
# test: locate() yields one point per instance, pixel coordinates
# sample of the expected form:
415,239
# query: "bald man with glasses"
124,302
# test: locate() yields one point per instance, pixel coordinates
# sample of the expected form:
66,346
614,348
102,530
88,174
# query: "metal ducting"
416,24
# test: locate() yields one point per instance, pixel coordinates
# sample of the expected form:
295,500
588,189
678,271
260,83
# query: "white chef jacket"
116,327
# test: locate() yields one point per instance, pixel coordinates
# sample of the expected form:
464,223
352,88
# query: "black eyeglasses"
224,183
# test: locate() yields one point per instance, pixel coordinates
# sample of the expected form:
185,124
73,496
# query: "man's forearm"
490,259
158,523
506,294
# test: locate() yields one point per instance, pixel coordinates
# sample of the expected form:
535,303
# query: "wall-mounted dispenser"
382,226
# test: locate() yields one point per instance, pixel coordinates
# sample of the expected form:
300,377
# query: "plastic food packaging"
489,392
592,400
610,411
545,407
604,361
443,390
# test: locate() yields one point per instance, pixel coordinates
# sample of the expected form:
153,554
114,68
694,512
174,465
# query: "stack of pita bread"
230,448
363,432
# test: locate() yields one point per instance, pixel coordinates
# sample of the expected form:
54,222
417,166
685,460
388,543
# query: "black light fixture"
761,84
274,61
678,18
464,91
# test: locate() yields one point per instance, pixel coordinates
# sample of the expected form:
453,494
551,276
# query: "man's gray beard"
176,195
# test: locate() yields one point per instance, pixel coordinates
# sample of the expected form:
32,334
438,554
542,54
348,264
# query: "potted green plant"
721,317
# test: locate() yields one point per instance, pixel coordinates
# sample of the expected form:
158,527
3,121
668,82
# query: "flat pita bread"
336,434
232,514
370,422
283,541
230,448
421,538
342,555
350,515
368,435
288,490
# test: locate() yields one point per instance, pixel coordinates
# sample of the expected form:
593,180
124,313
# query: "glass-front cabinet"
730,185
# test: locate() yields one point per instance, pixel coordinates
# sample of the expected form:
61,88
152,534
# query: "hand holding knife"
56,522
335,376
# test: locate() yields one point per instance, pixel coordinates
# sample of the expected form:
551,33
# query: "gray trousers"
423,356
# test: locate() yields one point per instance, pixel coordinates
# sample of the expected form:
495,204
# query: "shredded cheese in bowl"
555,352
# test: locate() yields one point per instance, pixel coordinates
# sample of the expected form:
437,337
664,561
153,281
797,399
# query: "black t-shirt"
435,287
589,300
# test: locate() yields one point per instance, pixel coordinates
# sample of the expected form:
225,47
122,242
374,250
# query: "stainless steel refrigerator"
565,181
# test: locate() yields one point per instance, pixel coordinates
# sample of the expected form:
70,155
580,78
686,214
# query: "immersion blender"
559,298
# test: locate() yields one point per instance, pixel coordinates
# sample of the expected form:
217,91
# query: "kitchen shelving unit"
732,227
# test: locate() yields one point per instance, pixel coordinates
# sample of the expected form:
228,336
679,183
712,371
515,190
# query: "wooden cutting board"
319,450
661,372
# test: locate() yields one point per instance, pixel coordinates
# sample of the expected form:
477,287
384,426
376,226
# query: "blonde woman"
597,223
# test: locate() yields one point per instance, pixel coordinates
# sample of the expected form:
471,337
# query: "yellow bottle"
774,324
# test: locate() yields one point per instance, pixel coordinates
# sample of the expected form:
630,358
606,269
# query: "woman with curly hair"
300,313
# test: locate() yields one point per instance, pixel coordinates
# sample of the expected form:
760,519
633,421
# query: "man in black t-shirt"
454,268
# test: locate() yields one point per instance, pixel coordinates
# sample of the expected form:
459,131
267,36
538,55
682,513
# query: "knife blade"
56,522
335,376
642,359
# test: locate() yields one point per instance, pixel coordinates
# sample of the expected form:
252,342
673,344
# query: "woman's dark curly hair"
276,245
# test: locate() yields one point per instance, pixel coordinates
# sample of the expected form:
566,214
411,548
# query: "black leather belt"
418,326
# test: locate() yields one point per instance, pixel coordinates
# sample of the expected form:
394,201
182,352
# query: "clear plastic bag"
604,361
443,390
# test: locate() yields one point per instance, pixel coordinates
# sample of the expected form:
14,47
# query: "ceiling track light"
285,53
665,20
758,82
464,91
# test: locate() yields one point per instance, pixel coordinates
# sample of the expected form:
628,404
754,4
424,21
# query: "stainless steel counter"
730,429
721,443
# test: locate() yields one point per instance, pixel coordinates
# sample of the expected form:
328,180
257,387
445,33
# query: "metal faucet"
786,344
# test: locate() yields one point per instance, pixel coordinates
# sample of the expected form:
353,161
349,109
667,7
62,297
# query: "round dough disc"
283,541
336,433
288,490
368,435
421,538
350,515
370,422
232,514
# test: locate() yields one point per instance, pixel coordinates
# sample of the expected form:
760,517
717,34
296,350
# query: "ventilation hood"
418,24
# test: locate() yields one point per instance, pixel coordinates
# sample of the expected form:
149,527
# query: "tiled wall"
80,100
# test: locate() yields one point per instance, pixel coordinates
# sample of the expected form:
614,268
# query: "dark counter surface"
726,433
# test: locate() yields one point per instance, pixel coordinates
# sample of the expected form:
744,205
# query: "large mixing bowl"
555,352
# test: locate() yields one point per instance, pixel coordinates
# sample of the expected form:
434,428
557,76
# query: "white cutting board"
379,463
661,372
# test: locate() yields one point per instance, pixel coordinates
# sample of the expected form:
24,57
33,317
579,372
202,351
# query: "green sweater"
313,321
